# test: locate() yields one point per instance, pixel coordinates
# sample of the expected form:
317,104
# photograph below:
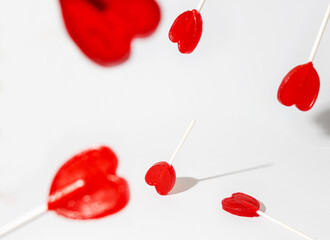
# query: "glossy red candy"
162,176
187,31
104,29
87,187
241,204
300,87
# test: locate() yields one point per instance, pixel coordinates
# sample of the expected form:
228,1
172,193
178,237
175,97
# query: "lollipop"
243,205
85,187
187,29
301,85
162,174
103,30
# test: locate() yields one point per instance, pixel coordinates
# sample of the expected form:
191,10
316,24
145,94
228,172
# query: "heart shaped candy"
162,176
241,204
104,29
187,31
300,87
87,187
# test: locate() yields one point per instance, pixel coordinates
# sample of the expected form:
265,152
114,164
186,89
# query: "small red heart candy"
241,204
187,31
104,29
162,176
87,187
300,87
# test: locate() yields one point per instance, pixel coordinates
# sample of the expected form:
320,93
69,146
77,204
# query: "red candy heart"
86,186
187,31
241,204
162,176
104,29
300,87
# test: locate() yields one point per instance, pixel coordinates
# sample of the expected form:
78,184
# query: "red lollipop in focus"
301,85
187,29
104,29
85,187
162,174
243,205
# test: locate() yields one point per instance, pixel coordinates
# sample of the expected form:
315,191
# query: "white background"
54,102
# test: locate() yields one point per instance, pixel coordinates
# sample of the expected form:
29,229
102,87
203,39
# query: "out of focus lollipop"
85,187
104,29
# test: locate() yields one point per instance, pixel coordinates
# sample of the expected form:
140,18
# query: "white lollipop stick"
39,211
22,220
319,35
284,225
200,5
181,142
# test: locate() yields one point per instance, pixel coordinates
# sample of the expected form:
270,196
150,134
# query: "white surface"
54,102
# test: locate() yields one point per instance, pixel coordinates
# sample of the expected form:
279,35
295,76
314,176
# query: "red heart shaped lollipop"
302,84
101,192
85,187
241,204
104,29
187,31
300,87
162,176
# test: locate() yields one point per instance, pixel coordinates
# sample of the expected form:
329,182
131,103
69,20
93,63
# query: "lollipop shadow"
323,120
262,206
185,183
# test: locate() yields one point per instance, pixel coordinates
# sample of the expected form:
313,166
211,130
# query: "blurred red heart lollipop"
243,205
85,187
187,30
162,174
102,192
104,29
301,85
